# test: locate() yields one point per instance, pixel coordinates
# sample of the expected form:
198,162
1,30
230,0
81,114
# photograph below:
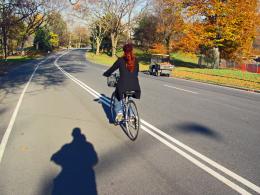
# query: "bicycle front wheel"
133,120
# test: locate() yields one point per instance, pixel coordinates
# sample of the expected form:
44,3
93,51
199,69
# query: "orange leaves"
230,25
158,48
170,22
190,25
191,38
77,6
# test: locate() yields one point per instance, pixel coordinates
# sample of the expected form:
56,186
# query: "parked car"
257,59
160,65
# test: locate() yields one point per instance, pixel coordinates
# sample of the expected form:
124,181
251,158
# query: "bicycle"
131,120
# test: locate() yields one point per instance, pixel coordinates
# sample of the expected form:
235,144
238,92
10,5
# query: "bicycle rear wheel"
133,120
112,107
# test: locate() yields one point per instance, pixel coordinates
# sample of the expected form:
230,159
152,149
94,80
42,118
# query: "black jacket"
128,81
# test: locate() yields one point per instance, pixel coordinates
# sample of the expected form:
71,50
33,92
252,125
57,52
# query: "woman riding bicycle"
128,68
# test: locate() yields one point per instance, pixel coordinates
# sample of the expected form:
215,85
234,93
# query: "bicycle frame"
131,121
125,107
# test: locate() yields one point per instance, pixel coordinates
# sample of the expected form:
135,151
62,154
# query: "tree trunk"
98,43
4,41
216,55
22,45
114,40
168,46
79,41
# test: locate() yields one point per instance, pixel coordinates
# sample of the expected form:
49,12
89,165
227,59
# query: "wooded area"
224,28
205,27
31,26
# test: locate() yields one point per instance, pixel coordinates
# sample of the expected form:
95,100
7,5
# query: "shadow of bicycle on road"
105,102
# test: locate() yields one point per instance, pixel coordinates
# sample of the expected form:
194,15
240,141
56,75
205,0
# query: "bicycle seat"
129,93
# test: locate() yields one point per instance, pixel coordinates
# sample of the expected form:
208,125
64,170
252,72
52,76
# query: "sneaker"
119,117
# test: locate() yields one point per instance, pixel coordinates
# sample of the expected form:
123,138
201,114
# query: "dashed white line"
180,144
181,89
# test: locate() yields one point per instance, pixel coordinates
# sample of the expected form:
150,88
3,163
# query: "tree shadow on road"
194,128
47,75
77,160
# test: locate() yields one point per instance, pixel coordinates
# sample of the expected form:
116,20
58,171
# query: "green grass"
17,59
228,73
105,59
185,57
186,67
12,61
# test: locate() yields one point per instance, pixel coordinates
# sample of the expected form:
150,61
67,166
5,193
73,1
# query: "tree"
170,22
116,17
116,11
190,39
53,40
56,24
98,32
113,13
81,36
31,24
229,26
11,13
145,33
14,36
42,40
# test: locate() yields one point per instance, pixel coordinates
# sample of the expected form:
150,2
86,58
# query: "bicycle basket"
112,81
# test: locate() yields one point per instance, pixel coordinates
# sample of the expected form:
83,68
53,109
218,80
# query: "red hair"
129,57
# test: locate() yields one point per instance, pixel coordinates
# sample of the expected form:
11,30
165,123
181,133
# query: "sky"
74,21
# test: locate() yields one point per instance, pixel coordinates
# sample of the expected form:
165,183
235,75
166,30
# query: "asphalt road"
56,136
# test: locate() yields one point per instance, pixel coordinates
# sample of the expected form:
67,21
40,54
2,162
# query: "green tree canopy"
42,40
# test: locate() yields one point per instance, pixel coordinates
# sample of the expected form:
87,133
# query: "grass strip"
226,77
215,79
104,59
228,73
11,62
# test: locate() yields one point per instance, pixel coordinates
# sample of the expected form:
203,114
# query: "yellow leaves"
39,17
158,48
230,24
54,39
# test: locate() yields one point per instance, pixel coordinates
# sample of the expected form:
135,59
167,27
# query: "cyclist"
128,69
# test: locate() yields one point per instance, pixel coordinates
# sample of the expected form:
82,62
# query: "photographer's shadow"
77,160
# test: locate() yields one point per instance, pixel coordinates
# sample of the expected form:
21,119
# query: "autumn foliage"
196,26
158,48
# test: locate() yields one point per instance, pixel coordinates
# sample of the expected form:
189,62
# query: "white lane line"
14,115
212,172
181,89
204,158
198,163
